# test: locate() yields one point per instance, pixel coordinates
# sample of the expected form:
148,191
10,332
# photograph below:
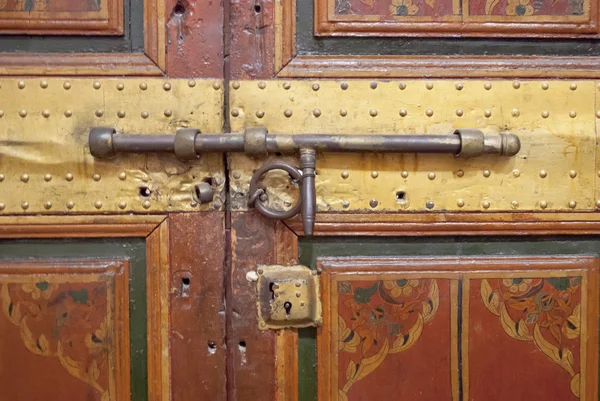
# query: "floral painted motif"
546,311
519,8
387,317
403,7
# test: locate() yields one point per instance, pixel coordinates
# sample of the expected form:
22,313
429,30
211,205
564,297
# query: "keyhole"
288,307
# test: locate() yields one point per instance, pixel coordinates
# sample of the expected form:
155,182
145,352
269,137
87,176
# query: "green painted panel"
133,249
310,248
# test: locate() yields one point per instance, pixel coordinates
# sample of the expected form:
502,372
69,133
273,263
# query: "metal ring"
258,204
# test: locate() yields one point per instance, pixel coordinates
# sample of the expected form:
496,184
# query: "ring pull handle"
258,196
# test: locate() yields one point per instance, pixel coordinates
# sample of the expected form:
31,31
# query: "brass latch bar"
189,144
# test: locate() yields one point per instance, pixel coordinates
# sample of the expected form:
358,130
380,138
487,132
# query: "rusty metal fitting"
203,193
256,192
101,142
471,142
185,144
255,141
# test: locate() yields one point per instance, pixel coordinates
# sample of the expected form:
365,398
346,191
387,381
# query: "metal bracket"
288,297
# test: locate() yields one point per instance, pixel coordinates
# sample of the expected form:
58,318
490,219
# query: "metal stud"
431,176
404,174
315,87
402,86
374,174
543,173
516,84
145,114
48,205
487,86
373,113
344,86
373,203
288,113
287,85
460,203
545,114
236,85
168,113
121,114
122,176
572,114
598,204
43,84
25,205
317,112
191,83
487,173
216,86
260,113
545,86
429,85
429,205
25,178
572,204
70,205
46,113
235,112
99,113
237,175
460,173
487,113
373,85
515,113
486,204
2,206
21,84
516,173
543,204
120,86
403,113
122,205
48,177
2,177
459,86
96,177
572,173
345,204
262,85
573,86
167,86
1,113
23,113
68,113
428,112
459,112
67,85
345,174
343,112
514,204
146,204
597,113
69,177
143,86
98,205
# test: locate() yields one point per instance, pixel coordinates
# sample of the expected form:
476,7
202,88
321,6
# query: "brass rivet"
21,84
516,173
374,174
262,85
373,203
23,113
487,86
545,86
96,177
288,113
514,204
68,113
235,85
70,205
487,113
515,113
429,205
404,174
543,174
99,113
345,204
598,173
459,86
543,204
317,112
145,114
2,177
67,85
235,112
97,85
572,204
237,175
1,113
44,84
373,85
120,86
403,113
573,86
46,113
459,112
572,114
597,113
143,86
428,112
429,85
69,177
48,205
260,113
598,204
25,177
167,86
122,205
2,206
572,173
287,85
460,173
216,86
431,176
315,87
146,204
343,112
345,174
191,83
122,176
344,86
545,114
48,177
168,113
121,114
487,173
98,205
460,203
373,113
402,85
485,204
25,205
516,84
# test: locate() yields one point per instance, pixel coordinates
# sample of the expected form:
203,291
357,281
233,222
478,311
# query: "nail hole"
257,8
400,196
179,9
208,180
185,287
277,153
242,346
145,192
212,347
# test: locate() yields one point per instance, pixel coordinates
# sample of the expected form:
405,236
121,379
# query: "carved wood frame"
288,64
151,62
411,225
155,231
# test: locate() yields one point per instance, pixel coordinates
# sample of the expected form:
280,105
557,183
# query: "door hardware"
189,144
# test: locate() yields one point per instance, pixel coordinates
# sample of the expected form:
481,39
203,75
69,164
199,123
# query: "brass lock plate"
288,297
